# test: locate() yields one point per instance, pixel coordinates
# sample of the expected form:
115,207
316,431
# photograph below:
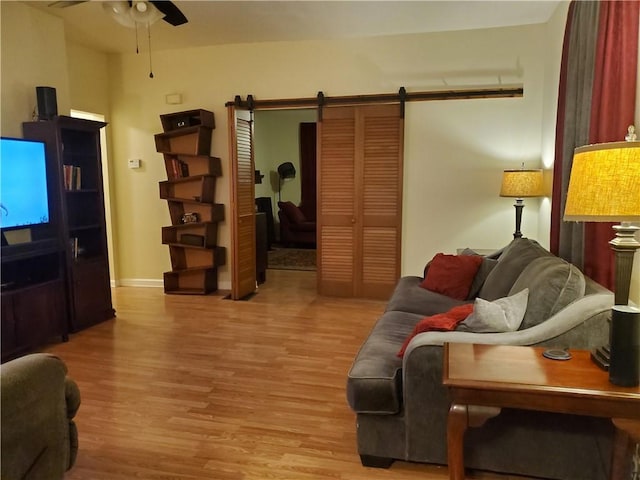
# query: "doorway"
359,193
278,145
277,141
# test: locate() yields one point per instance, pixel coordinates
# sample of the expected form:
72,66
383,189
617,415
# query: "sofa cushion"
452,275
483,272
553,284
374,383
293,213
502,315
516,256
303,227
409,297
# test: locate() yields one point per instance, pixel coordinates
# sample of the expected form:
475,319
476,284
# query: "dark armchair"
39,402
294,226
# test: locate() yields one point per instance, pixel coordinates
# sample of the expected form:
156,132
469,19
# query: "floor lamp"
519,184
285,170
605,187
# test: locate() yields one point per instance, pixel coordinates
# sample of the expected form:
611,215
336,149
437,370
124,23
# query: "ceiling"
224,22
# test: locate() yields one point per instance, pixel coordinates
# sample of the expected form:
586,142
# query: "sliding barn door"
360,157
243,221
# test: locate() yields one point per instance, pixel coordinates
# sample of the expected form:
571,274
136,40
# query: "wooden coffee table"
482,379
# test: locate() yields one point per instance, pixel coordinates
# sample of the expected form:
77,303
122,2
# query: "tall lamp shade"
605,183
519,184
605,187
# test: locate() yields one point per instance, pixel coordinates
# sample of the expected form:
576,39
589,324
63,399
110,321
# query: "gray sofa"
402,406
39,438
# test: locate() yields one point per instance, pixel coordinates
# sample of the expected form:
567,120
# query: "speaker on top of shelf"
47,103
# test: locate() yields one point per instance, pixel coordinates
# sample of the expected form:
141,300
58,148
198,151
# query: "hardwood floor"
199,387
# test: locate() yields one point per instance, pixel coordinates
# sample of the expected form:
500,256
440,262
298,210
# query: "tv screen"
24,199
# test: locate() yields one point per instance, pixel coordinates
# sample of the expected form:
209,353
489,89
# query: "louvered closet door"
336,215
360,200
243,223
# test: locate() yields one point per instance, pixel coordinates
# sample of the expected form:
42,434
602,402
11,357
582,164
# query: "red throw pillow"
441,322
452,275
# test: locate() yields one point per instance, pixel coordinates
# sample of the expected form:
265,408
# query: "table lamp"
605,187
519,184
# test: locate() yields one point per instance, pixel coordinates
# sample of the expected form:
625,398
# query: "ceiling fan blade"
173,15
65,3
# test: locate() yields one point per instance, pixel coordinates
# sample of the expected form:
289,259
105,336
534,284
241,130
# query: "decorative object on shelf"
190,217
519,184
285,170
605,187
190,193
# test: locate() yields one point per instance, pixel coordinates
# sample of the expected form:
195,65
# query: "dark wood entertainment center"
59,282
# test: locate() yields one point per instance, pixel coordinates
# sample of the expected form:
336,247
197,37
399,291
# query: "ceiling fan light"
145,12
141,6
119,11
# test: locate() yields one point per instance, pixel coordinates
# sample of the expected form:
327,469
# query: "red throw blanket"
442,322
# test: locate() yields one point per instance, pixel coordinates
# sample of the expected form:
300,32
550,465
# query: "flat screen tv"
24,199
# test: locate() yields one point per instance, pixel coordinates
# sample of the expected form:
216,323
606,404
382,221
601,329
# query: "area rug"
292,259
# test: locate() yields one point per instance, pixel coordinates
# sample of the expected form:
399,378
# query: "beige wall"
33,53
455,151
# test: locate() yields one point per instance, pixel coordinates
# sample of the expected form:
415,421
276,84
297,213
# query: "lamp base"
519,206
624,369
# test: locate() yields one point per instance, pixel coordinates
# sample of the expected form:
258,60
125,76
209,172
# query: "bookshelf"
190,194
73,147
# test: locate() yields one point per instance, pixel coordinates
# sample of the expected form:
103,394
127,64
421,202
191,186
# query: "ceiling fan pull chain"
149,35
137,50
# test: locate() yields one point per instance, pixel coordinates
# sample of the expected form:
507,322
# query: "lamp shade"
522,183
286,170
605,183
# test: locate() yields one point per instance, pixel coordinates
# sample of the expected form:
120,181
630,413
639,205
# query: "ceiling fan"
130,13
133,13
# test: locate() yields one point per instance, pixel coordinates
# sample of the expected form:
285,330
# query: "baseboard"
141,282
155,283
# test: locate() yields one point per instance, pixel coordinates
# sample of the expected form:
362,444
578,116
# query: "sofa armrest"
588,314
38,404
582,324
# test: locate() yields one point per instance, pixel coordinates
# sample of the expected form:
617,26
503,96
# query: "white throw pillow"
501,315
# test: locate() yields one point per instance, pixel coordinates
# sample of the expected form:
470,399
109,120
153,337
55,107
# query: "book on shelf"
72,177
179,169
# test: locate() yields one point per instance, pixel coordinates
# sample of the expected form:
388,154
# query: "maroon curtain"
596,103
308,170
612,111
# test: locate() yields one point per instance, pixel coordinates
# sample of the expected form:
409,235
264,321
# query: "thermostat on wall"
134,163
